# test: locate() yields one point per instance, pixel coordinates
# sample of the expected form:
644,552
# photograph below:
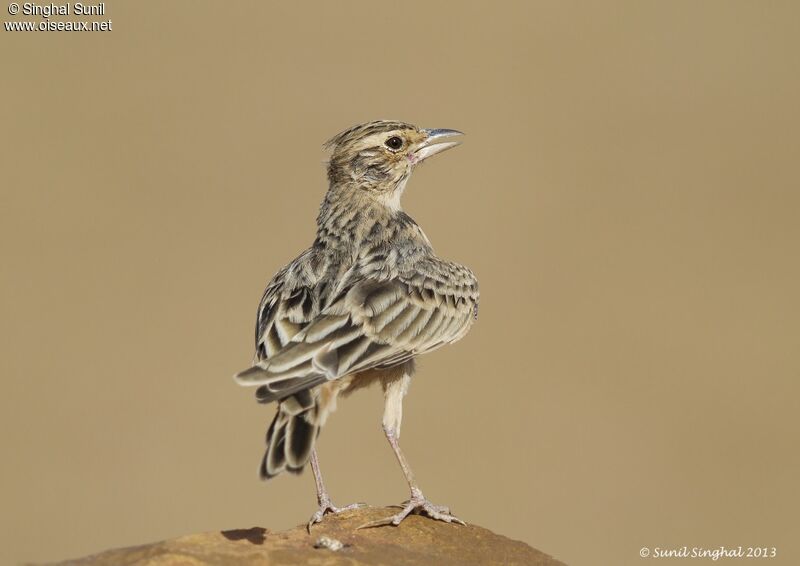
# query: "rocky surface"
418,540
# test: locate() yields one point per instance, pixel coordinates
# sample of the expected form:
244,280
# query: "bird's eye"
394,143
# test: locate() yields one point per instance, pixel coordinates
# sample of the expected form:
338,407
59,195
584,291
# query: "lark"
358,306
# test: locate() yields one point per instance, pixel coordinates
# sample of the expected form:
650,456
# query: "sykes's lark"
358,306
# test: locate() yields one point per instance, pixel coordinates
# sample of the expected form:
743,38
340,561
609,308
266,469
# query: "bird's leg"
392,418
324,500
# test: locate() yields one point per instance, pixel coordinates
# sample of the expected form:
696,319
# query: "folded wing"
371,323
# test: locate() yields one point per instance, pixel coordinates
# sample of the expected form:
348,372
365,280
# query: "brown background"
627,195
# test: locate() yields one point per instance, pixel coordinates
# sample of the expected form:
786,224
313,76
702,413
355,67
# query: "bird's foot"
326,507
417,505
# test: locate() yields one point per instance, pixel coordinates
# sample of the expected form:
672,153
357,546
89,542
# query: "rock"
418,540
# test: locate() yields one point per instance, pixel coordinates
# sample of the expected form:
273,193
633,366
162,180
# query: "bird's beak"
434,143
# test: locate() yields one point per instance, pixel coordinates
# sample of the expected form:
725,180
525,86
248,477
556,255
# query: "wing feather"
370,323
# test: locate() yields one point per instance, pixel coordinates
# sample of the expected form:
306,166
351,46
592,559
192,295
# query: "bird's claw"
326,507
443,509
417,505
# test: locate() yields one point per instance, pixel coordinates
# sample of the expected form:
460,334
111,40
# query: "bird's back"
379,301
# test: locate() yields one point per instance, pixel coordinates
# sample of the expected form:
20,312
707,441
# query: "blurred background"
627,194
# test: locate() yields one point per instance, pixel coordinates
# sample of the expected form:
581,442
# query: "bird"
358,306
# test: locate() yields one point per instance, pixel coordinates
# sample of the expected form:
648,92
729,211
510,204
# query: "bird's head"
378,157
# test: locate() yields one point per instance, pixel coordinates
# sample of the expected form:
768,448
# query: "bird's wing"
373,322
292,300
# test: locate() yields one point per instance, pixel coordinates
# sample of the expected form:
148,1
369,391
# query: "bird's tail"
291,436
